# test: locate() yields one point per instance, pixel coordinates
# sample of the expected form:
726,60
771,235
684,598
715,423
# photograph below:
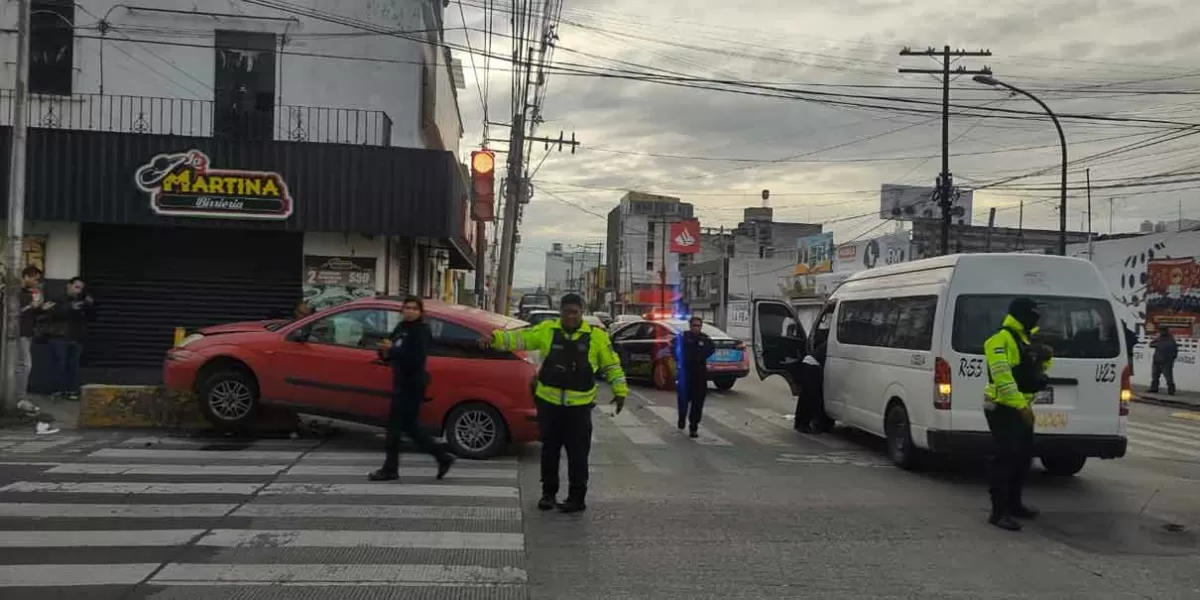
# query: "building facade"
926,239
641,270
200,162
566,269
758,235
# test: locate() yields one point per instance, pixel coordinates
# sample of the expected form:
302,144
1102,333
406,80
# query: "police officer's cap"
1020,307
571,300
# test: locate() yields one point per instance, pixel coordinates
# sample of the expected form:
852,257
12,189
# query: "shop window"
52,47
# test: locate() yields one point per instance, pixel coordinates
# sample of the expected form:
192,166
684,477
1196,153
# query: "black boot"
1005,522
693,431
382,475
444,464
547,502
574,502
680,424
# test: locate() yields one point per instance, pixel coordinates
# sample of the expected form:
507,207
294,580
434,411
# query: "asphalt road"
751,509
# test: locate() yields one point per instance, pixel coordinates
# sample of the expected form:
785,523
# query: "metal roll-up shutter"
149,280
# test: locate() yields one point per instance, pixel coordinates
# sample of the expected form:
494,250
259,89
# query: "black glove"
620,402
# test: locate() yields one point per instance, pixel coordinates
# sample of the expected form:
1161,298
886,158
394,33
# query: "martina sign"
185,185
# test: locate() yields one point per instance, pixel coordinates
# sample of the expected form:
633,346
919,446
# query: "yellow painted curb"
1191,416
154,407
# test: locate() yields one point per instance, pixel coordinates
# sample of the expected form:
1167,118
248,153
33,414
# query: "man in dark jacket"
1166,350
810,406
32,308
407,349
65,326
692,349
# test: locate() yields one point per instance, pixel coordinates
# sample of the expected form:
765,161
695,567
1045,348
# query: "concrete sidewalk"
1180,399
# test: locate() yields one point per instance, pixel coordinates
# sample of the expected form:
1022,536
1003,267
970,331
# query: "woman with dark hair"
407,350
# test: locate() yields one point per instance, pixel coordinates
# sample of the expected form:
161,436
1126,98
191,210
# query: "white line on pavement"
634,429
1139,432
326,574
92,511
386,489
1186,431
777,419
95,538
183,470
307,538
376,511
150,454
116,487
749,427
430,470
707,437
74,575
377,457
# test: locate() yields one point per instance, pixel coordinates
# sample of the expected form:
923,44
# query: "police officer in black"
694,347
407,350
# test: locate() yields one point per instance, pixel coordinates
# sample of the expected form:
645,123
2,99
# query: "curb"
1166,402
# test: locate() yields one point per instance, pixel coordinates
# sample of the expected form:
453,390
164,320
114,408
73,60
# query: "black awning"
93,177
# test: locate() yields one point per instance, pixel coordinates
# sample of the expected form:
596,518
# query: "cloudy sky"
1132,62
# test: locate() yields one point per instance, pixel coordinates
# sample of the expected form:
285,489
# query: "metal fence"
200,118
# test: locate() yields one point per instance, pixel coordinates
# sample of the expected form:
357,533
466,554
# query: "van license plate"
1045,396
1051,420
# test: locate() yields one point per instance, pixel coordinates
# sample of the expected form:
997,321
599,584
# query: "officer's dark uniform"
691,386
1016,372
810,406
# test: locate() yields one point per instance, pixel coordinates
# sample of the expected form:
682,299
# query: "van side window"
903,323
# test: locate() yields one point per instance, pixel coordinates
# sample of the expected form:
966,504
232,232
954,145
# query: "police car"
646,348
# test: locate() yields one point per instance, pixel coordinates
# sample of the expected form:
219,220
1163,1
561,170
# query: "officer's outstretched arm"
995,351
536,338
610,366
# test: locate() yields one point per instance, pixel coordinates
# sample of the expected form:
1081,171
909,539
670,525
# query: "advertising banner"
685,237
868,254
332,280
815,254
1173,296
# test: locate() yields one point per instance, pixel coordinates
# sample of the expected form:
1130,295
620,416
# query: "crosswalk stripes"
1164,439
185,522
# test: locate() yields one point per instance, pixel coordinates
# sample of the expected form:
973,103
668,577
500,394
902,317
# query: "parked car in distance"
595,321
646,351
537,316
327,364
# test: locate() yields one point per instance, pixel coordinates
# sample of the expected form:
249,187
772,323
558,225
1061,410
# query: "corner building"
199,162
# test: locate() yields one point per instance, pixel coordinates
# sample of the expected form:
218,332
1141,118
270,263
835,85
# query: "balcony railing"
199,118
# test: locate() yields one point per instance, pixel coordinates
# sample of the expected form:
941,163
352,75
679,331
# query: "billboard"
1173,296
815,254
685,237
916,203
861,255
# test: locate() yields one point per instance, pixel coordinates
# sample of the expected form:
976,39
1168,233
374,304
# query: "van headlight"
189,339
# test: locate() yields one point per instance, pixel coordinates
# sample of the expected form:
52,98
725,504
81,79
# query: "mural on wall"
332,280
1173,296
1124,264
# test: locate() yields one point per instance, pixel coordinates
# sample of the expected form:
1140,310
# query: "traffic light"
483,182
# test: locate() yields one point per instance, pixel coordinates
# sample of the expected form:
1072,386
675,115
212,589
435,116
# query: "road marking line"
1172,428
40,446
707,437
377,511
1190,416
308,538
634,429
182,470
162,453
74,575
325,574
431,470
748,427
124,511
389,489
276,444
377,457
119,487
776,418
1172,452
1137,431
96,538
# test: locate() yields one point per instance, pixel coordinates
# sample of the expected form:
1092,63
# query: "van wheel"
229,400
1063,465
900,447
476,431
725,383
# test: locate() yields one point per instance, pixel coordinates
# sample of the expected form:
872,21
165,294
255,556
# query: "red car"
327,364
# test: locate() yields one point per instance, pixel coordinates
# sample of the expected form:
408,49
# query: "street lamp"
1062,140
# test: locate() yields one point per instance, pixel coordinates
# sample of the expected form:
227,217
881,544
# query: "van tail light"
941,384
1126,390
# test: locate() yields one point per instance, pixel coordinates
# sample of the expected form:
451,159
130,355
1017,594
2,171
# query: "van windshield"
1074,327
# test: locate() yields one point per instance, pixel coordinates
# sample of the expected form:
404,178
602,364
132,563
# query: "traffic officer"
573,352
691,387
1016,372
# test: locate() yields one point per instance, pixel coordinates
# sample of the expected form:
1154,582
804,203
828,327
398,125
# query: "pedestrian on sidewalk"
33,307
565,394
692,350
407,349
65,327
1166,350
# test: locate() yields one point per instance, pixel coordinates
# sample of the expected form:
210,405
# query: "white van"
904,354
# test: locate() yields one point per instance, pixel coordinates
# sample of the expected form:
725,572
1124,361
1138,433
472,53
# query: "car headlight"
189,339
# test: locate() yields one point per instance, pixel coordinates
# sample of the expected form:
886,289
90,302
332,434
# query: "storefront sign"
332,280
685,237
184,185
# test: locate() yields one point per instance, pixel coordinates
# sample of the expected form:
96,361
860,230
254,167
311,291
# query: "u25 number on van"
970,367
1106,373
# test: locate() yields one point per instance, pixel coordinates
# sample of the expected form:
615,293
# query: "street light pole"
1062,140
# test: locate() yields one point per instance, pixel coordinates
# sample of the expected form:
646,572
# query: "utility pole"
1089,208
945,181
991,226
16,213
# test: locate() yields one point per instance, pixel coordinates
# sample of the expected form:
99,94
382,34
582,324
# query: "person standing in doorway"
1166,350
810,406
1016,372
693,348
32,308
566,393
66,327
407,349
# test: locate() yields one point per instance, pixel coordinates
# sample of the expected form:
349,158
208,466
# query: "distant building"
637,256
926,239
759,235
566,269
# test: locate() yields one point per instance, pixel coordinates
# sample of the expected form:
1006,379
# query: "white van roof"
985,273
